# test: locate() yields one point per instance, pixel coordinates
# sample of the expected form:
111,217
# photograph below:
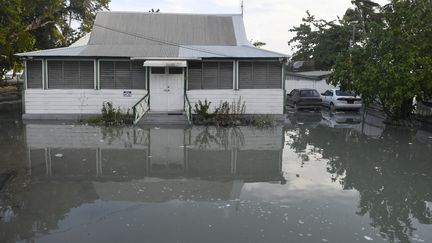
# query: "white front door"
166,91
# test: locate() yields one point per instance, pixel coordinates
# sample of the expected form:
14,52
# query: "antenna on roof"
242,8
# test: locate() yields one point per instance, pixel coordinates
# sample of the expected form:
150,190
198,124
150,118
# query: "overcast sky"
265,20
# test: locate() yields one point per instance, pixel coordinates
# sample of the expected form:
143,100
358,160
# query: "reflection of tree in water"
297,139
393,178
126,135
39,210
227,138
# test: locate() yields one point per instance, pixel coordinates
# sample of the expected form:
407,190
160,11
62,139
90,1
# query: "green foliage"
320,41
202,109
27,25
111,116
394,63
230,114
263,121
257,43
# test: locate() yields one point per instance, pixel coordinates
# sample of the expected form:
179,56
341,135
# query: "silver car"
341,100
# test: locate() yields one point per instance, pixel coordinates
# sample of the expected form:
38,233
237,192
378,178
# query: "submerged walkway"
164,119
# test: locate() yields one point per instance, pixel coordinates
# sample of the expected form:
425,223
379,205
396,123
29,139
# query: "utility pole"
242,8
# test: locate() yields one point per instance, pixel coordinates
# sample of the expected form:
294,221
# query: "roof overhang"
164,63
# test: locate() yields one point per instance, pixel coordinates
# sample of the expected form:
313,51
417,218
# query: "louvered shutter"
34,74
122,75
55,74
194,75
274,77
107,75
245,75
259,75
138,75
71,75
225,75
86,75
210,75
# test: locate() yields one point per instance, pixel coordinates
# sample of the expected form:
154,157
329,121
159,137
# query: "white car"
341,100
10,75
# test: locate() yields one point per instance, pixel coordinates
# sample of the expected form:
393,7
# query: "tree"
319,41
257,43
27,25
394,63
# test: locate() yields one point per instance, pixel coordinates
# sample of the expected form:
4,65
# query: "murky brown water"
322,178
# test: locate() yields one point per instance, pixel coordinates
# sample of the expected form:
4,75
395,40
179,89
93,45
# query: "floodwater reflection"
324,178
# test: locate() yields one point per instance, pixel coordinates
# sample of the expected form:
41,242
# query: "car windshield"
344,93
309,93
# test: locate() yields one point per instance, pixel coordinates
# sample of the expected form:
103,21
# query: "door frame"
183,81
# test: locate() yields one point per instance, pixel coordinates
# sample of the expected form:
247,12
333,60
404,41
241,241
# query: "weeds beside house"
111,116
228,114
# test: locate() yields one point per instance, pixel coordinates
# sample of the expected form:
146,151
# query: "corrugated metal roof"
227,51
314,75
131,51
64,51
119,28
82,41
129,34
108,51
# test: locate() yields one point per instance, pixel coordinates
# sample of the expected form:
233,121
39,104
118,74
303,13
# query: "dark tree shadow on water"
392,174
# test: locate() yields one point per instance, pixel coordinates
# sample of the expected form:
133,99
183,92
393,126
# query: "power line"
160,41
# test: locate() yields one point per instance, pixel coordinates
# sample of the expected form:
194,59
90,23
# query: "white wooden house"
154,62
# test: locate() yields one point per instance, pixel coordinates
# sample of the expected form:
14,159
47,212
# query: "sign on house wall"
127,93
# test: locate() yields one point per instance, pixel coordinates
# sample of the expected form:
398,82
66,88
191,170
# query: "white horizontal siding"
320,85
257,101
58,101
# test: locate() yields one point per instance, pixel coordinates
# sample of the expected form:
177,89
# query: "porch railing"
140,108
188,109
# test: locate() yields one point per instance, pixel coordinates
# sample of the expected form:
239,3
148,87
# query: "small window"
309,93
175,70
158,70
344,93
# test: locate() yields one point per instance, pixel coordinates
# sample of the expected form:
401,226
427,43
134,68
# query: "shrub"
230,114
262,121
202,109
111,116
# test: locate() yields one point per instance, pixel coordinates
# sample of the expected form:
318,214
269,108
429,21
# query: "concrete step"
158,119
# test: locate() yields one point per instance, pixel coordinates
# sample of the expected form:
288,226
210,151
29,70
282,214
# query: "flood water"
319,178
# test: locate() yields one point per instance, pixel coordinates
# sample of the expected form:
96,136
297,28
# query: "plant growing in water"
230,114
111,116
202,109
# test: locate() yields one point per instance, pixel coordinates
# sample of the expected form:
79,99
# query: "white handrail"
140,108
188,109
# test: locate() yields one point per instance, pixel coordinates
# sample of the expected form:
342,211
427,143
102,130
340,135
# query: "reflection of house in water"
156,164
